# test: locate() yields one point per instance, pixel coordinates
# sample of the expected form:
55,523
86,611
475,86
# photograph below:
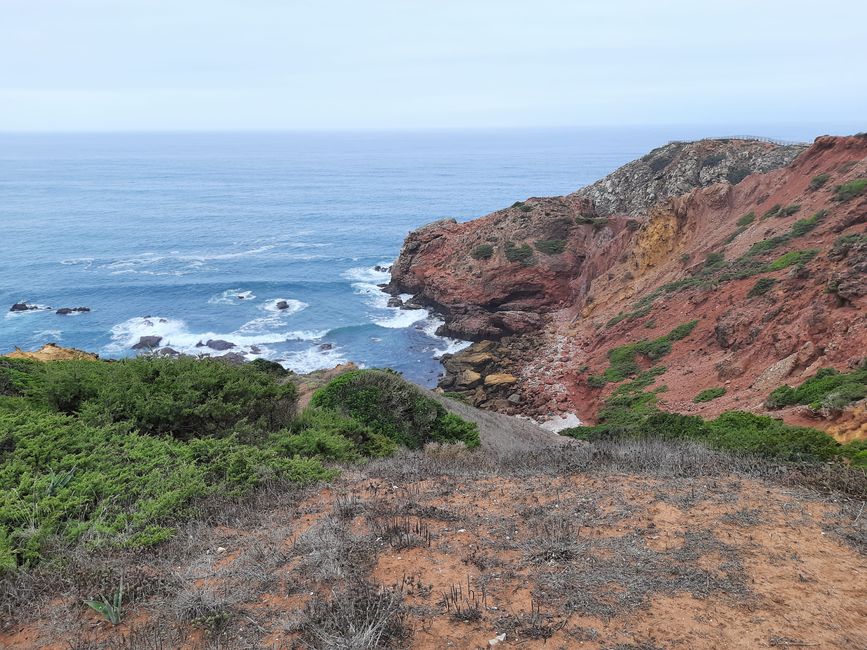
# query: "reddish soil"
593,560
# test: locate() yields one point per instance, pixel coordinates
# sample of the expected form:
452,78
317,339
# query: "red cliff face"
498,275
778,292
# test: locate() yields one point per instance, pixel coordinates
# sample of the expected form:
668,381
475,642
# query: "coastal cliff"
761,244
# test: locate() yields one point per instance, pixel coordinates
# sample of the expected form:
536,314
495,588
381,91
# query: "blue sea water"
162,234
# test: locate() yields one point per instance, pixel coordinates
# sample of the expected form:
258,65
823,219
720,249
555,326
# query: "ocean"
192,237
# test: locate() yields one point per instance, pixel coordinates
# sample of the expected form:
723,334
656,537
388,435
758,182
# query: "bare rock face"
772,267
501,274
680,167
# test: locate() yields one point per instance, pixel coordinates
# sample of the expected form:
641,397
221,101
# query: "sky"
142,65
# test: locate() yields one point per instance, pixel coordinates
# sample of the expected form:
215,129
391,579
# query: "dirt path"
504,434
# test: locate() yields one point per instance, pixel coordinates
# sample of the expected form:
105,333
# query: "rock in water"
219,344
23,306
147,343
282,304
65,311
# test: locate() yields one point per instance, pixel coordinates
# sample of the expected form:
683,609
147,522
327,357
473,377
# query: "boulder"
395,301
774,375
500,379
22,306
219,344
282,304
65,311
477,359
468,379
326,346
147,343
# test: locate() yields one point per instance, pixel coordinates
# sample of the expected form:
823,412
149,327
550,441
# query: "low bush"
187,397
826,386
764,436
818,181
551,246
522,254
623,360
850,190
65,481
761,287
792,257
709,394
391,406
738,173
789,210
772,211
714,261
482,252
803,226
747,219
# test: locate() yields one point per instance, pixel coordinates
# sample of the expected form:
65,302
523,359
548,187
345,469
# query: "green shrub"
803,226
856,452
761,287
523,207
65,385
738,173
482,252
747,219
792,257
789,210
828,388
16,376
818,182
850,190
764,436
522,254
709,394
772,211
269,367
596,381
391,406
714,261
623,360
107,485
551,246
188,397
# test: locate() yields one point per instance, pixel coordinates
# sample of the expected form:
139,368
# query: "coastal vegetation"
522,254
850,190
482,252
116,454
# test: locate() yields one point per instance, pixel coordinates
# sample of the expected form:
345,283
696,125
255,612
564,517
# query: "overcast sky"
70,65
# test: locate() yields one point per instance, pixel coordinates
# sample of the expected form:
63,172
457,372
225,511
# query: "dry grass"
613,545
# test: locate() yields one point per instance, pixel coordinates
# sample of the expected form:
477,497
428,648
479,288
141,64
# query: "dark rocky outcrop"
23,306
219,344
65,311
147,343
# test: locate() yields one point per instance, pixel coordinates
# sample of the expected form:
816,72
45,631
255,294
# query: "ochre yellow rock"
477,359
499,379
468,378
52,352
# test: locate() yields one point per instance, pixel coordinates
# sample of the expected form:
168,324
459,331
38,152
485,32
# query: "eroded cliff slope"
770,262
